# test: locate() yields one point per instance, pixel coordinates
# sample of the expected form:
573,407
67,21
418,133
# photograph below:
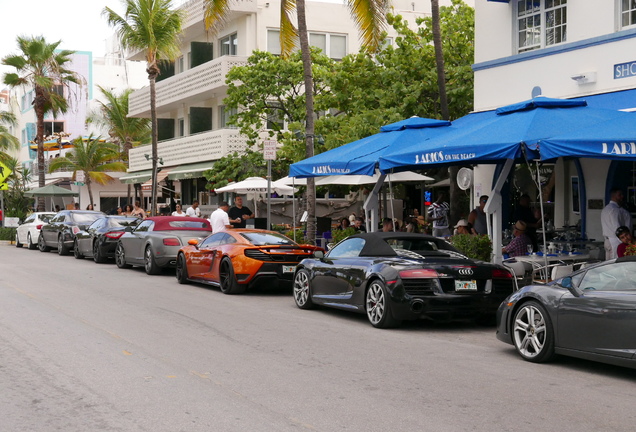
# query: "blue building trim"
554,50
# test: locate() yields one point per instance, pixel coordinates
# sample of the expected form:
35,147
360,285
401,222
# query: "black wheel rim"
225,276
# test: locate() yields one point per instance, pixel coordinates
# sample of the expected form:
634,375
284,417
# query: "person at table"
478,217
519,244
613,216
525,213
625,236
239,214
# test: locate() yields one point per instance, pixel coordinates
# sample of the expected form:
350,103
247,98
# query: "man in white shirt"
613,216
194,211
219,219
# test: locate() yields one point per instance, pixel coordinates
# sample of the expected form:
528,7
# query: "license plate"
465,285
288,269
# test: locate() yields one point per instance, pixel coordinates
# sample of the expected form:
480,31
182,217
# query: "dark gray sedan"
154,243
60,232
100,239
589,314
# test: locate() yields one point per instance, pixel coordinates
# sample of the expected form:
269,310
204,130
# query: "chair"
522,272
562,270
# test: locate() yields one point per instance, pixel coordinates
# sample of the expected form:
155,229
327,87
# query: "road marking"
200,375
126,352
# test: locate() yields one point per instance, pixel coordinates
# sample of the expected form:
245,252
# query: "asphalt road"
88,347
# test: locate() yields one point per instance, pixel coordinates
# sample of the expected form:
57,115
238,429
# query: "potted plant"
477,247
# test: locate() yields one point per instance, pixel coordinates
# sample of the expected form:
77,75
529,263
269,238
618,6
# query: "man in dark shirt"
239,212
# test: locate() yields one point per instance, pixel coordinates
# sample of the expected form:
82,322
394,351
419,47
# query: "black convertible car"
589,314
394,276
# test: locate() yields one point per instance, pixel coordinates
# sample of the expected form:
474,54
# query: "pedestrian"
387,225
138,211
128,210
438,214
344,224
519,244
463,227
239,213
90,207
358,225
194,211
624,234
219,219
411,225
119,211
178,211
613,216
478,217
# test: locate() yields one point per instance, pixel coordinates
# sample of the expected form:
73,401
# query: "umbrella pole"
294,208
391,201
545,250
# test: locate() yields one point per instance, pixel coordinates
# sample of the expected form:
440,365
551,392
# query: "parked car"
60,232
154,243
29,230
239,259
99,240
393,276
589,314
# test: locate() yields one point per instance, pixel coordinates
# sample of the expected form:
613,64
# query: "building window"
273,42
224,117
181,122
229,45
541,23
628,13
275,120
180,65
332,45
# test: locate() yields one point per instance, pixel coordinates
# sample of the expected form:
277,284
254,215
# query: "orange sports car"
237,259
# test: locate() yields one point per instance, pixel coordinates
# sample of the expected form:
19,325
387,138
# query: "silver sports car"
589,314
154,243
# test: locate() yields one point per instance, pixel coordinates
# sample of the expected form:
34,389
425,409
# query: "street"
88,347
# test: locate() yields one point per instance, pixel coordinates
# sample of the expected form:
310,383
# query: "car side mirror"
319,254
193,242
566,282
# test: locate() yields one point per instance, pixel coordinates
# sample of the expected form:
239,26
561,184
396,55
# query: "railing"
201,147
204,78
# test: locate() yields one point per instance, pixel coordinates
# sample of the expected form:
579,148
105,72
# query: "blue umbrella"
493,136
361,157
613,139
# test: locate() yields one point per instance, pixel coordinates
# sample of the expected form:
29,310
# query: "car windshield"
86,218
266,239
46,217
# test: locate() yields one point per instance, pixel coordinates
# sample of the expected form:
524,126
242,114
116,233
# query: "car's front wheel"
229,285
30,243
42,244
532,332
150,265
378,306
76,250
120,257
182,269
302,290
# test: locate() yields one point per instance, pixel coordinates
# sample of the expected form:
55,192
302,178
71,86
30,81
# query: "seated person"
463,227
519,245
625,236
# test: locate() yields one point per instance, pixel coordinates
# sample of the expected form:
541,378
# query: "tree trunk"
90,190
152,76
455,207
309,117
38,106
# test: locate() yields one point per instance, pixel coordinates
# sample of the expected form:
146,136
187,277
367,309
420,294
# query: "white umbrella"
406,176
256,185
292,181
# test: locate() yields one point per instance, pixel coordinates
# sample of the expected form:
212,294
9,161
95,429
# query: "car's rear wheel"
17,241
378,306
150,265
30,243
120,257
532,333
76,250
61,249
42,244
229,285
98,256
182,269
302,290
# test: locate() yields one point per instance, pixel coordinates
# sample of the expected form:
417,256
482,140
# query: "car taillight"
501,274
418,274
114,235
38,227
76,230
171,242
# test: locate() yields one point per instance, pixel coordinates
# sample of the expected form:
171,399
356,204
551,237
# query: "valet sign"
625,70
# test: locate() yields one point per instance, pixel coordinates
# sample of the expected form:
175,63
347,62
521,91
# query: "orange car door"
216,254
201,258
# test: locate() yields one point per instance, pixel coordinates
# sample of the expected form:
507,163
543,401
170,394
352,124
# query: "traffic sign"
269,149
4,172
77,183
80,177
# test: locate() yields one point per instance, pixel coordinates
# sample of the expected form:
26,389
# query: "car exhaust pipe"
173,262
417,306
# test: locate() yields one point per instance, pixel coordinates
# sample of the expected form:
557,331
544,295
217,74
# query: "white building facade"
562,49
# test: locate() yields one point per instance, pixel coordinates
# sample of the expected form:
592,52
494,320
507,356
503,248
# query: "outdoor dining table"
538,261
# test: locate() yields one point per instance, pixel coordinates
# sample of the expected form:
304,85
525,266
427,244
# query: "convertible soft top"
180,223
376,243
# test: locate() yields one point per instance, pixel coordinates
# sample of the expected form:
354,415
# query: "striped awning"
161,175
190,170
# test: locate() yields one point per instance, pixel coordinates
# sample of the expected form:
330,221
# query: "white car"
29,230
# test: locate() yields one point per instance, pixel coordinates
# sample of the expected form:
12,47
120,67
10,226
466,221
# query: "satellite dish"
464,178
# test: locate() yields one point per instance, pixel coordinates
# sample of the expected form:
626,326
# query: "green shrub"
473,246
338,235
300,236
7,233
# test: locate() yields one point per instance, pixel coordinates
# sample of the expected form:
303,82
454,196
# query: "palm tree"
7,141
151,26
370,18
42,67
92,156
124,131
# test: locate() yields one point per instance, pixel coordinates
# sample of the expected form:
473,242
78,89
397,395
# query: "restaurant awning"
136,177
161,175
189,171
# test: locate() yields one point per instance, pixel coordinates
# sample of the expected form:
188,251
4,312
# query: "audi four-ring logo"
466,271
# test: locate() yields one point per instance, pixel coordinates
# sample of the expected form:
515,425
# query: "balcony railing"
194,84
201,147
